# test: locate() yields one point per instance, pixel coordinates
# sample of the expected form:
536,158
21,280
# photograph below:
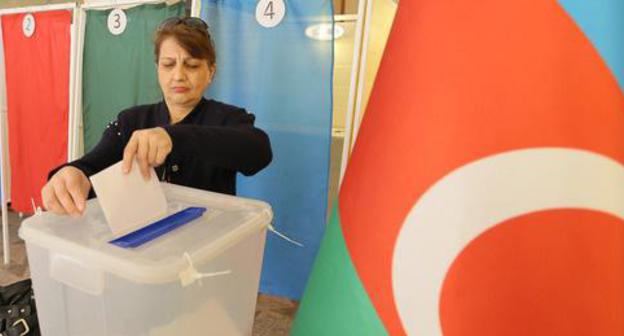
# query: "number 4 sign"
117,21
270,13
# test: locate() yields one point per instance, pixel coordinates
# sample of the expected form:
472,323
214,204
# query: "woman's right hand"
66,192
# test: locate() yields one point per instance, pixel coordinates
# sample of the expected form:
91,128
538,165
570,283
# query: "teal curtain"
119,71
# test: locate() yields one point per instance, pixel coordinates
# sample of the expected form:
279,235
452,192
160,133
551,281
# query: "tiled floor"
274,315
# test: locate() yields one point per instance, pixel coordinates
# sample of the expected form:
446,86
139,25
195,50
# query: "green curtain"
119,71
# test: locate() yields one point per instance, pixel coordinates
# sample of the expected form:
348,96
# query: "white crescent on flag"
477,197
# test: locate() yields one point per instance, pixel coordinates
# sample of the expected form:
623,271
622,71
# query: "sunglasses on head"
191,22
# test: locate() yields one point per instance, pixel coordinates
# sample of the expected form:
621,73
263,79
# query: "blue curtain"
285,79
602,21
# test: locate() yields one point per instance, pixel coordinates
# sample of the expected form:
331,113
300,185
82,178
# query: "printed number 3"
117,21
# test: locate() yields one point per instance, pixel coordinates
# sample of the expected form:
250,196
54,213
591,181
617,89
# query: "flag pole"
356,87
3,164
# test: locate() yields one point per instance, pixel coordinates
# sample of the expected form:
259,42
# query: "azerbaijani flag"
485,193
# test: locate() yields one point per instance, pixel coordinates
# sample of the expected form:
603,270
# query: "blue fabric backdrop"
602,21
285,79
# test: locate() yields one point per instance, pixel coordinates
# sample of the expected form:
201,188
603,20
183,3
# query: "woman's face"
182,78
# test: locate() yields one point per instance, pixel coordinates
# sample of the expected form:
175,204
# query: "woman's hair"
192,35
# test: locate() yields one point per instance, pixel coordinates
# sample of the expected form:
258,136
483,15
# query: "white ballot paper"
128,201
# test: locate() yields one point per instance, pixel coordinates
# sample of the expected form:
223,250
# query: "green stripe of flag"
335,302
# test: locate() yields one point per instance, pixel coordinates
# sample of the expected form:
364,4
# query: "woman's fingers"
130,152
153,152
61,193
141,155
66,192
137,147
50,202
57,207
161,155
149,147
78,194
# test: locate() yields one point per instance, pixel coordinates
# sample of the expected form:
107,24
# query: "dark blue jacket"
210,145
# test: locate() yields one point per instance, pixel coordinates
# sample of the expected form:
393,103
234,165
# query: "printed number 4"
268,11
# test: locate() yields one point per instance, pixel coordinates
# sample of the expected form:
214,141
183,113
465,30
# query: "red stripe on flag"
546,273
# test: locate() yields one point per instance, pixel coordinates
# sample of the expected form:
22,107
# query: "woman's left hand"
150,147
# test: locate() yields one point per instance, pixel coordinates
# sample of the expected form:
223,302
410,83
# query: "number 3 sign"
117,21
270,13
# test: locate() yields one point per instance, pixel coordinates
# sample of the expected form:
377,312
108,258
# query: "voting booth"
199,279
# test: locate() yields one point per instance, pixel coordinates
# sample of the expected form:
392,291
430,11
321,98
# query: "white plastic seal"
283,236
190,274
36,209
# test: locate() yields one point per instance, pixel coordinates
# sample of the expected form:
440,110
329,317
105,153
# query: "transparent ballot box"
199,279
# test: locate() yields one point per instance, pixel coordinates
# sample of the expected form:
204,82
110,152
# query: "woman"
190,140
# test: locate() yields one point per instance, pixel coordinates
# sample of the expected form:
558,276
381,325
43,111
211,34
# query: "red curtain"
37,83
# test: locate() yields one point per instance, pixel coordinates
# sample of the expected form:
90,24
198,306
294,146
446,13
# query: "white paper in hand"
128,201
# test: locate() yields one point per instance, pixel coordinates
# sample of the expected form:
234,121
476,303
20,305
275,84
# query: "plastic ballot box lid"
86,240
